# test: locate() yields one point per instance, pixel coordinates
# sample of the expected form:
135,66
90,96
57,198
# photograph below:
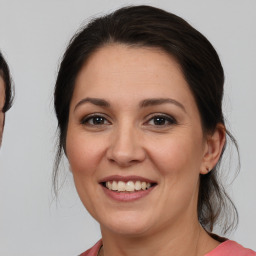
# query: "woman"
5,92
138,101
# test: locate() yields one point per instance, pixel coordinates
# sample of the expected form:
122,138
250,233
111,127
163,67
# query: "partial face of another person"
2,100
134,141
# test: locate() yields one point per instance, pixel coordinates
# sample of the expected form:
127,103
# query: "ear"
213,148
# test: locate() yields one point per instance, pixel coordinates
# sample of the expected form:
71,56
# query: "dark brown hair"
146,26
5,74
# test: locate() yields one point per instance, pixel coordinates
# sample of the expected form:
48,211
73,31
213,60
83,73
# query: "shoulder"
94,250
227,248
231,248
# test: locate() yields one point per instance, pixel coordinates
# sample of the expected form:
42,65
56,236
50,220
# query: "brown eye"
161,120
95,120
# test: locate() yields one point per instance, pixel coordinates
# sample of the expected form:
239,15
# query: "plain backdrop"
33,37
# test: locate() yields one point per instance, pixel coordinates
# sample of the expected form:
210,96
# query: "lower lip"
127,196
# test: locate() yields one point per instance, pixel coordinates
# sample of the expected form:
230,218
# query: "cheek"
178,161
178,155
83,152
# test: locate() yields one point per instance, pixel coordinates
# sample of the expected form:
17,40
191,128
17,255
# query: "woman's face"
2,100
134,123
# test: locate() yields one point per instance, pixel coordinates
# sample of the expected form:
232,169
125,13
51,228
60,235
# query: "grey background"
33,36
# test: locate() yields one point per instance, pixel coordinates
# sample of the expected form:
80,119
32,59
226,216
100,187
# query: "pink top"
227,248
231,248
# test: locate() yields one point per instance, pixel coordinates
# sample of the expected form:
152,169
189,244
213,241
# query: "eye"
161,120
95,120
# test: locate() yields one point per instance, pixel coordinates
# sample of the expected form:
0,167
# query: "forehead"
129,69
116,58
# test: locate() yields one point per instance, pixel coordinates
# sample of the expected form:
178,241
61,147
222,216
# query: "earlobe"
214,147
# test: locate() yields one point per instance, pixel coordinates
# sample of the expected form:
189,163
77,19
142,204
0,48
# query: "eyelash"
87,119
166,118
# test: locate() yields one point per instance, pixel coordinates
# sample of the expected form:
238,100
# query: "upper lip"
126,178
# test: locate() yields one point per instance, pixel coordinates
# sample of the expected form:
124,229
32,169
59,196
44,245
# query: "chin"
127,224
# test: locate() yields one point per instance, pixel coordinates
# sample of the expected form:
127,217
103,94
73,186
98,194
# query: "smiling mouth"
130,186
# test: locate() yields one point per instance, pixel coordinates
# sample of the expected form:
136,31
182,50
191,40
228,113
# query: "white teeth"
138,185
114,185
109,185
129,186
144,185
121,186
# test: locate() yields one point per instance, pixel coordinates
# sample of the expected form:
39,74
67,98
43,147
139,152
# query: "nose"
126,147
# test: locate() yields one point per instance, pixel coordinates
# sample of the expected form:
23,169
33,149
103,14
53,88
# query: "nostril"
125,150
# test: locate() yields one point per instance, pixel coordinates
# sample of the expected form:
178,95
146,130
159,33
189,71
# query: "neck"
192,241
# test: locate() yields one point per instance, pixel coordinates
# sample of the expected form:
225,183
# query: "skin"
2,99
129,142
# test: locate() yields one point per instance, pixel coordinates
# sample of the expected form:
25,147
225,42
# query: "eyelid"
168,117
84,120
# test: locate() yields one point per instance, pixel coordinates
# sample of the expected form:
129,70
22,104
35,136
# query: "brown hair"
5,74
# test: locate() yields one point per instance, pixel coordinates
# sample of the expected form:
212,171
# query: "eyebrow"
159,101
142,104
94,101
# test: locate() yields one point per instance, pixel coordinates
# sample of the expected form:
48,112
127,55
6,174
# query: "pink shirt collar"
227,248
